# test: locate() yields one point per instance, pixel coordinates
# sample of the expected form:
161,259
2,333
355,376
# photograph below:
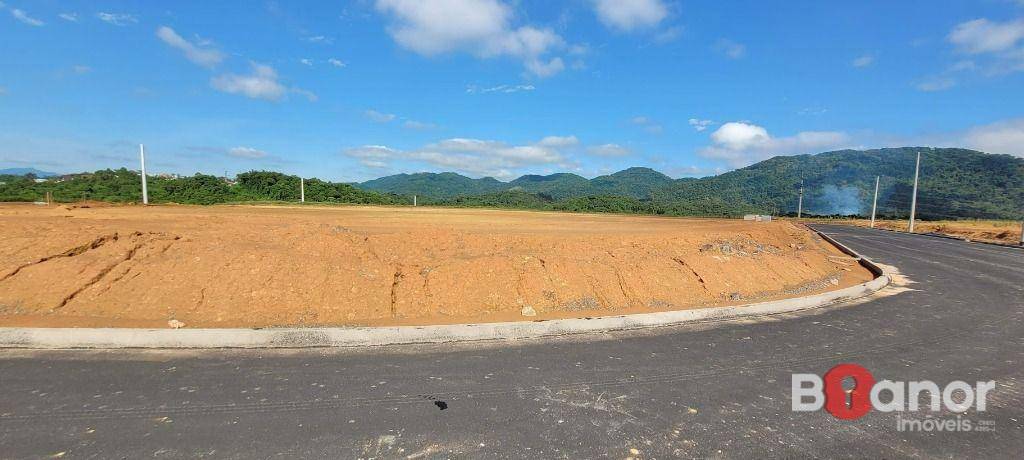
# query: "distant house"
40,180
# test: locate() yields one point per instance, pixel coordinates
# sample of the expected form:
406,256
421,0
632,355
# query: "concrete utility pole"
414,201
302,190
913,199
1022,232
142,158
800,203
874,204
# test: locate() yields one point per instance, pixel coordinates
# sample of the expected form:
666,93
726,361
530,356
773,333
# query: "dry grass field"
249,266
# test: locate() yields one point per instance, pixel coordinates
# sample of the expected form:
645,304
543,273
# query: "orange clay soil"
246,266
993,231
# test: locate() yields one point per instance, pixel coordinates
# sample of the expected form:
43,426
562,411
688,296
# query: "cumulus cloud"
863,61
480,27
306,62
984,36
608,150
700,125
24,17
741,144
730,49
1000,137
999,46
262,83
380,117
247,152
70,17
335,62
202,55
117,19
629,15
474,157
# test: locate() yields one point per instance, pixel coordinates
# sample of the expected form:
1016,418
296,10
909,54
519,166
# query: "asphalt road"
709,390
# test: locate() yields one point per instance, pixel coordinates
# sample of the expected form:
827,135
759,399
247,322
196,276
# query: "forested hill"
954,183
633,182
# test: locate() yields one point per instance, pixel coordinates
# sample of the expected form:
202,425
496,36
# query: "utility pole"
1022,232
142,158
800,203
414,201
302,190
913,199
874,204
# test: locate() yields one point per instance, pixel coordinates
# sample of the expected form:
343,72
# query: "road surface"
711,390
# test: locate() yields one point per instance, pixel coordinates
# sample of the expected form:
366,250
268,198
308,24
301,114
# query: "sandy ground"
244,266
996,231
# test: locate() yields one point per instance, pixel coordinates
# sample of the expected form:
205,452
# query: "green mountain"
633,182
557,186
954,183
433,185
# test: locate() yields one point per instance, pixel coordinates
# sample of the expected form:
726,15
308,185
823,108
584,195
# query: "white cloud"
379,117
629,15
863,61
480,27
1000,137
700,125
24,17
936,84
117,19
471,156
335,62
997,46
309,95
262,83
984,36
730,48
668,35
81,69
306,62
500,89
741,144
203,56
608,150
70,17
559,142
247,152
649,125
418,125
320,39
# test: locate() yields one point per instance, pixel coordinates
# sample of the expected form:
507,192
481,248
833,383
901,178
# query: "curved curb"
107,338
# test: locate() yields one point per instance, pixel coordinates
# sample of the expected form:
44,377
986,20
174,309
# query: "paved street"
706,390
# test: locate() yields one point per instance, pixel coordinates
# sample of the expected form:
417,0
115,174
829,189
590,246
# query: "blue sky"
357,90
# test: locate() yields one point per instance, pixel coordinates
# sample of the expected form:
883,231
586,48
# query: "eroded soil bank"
245,266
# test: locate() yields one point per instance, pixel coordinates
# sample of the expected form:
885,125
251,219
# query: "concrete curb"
108,338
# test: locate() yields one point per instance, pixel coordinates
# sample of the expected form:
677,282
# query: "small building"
758,217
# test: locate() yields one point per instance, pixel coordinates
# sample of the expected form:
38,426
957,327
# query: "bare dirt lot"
994,231
246,266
